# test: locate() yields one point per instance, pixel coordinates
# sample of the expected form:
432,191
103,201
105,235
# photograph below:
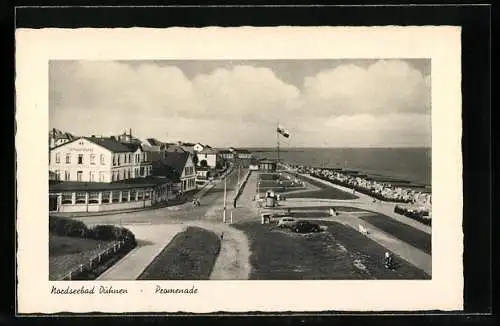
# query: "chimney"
130,132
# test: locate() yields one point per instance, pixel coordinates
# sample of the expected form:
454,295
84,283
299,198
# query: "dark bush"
73,228
111,232
67,227
418,216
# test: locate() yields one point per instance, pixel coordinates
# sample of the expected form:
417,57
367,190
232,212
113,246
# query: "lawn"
338,253
325,191
406,233
372,253
67,253
190,255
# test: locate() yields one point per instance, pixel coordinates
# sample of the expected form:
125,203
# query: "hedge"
74,228
418,216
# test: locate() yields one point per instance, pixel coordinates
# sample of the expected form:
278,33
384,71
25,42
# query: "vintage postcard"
239,169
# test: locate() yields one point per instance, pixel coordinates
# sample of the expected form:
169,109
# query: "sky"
322,103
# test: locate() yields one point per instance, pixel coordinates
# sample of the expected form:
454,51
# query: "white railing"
94,261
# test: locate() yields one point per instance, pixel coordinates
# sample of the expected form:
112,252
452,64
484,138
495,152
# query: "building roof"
243,151
154,142
58,134
208,151
266,160
172,148
171,166
133,147
147,182
110,143
225,151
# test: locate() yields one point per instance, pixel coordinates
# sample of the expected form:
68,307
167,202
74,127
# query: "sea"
409,164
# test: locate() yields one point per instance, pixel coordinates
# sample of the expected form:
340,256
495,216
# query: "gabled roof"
133,147
225,151
208,151
154,142
171,165
109,143
174,148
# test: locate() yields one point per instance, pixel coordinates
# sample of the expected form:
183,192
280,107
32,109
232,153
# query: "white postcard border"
34,48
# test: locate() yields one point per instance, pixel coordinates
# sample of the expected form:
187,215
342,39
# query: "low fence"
242,185
95,261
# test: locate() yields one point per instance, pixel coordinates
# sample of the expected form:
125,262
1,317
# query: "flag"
283,132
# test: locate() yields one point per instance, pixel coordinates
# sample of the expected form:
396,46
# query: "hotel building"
96,174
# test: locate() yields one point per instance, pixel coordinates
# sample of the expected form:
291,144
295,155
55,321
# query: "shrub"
111,232
73,228
67,227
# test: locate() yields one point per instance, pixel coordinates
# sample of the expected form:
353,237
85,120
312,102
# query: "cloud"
245,92
387,101
381,88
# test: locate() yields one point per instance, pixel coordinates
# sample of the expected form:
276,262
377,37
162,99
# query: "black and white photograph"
240,170
178,174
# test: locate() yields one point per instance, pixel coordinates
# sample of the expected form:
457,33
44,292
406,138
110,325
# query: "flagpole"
278,144
224,212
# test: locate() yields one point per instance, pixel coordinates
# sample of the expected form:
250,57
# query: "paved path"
364,202
156,228
151,241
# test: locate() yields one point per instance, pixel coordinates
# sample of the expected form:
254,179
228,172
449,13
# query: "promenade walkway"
151,241
364,202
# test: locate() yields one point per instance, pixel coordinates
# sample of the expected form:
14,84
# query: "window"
93,197
130,158
125,195
91,176
105,197
118,161
132,194
92,159
79,175
67,198
102,159
80,158
125,159
67,175
114,160
141,171
80,198
116,196
140,195
68,158
58,157
147,194
101,176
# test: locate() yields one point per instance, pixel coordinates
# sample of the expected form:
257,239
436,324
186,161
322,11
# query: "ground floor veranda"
108,197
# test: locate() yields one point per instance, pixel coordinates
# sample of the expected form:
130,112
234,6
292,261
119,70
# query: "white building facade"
98,160
211,156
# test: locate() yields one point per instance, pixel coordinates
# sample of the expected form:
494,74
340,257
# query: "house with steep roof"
176,166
